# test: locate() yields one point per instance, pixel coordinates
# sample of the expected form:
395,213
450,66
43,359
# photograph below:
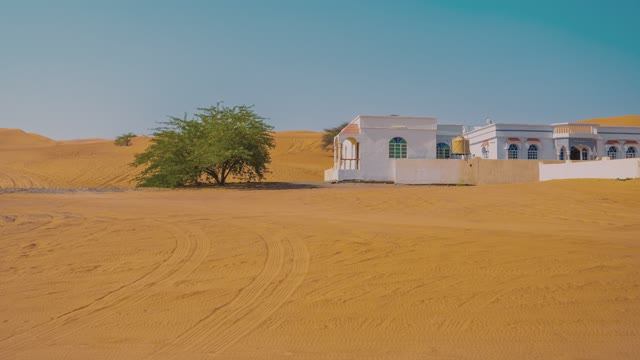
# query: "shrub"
124,139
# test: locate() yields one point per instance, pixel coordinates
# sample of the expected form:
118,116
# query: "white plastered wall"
374,137
375,164
599,169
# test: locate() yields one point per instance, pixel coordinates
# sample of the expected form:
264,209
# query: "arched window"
563,153
532,153
443,151
585,154
485,152
631,152
512,152
397,148
612,152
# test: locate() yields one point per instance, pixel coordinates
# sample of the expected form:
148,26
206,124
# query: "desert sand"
527,271
34,161
624,120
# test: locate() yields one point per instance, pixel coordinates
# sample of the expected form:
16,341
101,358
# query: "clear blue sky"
73,69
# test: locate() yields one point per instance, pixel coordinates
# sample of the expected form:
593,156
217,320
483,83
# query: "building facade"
368,148
564,141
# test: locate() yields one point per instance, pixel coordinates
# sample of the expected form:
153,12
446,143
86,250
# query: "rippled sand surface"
527,271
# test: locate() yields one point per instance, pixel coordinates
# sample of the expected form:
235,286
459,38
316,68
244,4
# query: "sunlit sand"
33,161
541,270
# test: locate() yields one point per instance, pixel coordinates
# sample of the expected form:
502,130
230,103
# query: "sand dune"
625,120
298,156
539,271
71,164
33,161
19,139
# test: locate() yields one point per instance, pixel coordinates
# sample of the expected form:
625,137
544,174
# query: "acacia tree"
124,139
330,133
219,141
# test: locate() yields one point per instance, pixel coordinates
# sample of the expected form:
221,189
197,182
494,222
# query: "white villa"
370,147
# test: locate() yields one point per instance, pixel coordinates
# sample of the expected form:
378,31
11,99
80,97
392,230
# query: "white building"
368,148
564,141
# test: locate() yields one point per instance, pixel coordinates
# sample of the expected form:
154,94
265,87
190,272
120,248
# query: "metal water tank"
460,146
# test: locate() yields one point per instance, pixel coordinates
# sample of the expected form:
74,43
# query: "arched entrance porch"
350,154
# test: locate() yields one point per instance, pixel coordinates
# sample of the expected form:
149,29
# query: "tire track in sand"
11,180
284,270
22,179
185,257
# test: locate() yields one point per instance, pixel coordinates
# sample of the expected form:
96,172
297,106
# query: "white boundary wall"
599,169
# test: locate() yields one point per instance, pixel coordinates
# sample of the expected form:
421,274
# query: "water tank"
460,146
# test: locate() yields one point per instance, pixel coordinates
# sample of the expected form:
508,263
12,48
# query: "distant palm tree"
330,133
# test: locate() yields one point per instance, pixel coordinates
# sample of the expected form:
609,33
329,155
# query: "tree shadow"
261,186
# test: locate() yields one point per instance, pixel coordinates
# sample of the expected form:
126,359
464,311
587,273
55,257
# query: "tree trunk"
224,172
214,174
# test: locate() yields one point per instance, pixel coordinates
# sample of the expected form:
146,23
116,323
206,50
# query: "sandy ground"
527,271
541,271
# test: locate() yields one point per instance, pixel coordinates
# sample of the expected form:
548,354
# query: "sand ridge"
624,120
19,139
32,161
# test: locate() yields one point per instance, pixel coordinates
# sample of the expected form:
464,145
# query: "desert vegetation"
124,139
217,142
329,133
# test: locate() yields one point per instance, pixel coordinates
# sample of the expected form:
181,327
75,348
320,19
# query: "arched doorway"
563,154
574,154
485,152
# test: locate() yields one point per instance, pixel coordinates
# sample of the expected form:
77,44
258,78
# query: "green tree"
124,139
219,141
330,133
